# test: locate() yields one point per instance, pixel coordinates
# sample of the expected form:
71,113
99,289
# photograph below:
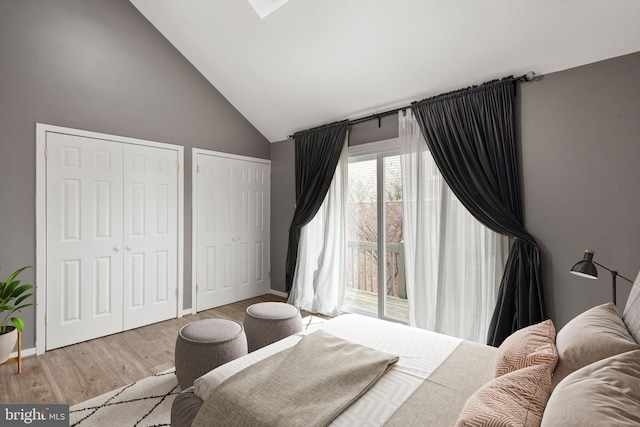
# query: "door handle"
116,249
128,248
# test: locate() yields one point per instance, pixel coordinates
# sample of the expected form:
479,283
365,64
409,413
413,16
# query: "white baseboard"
186,312
279,293
25,353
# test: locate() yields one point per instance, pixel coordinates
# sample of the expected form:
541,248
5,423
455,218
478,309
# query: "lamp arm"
613,272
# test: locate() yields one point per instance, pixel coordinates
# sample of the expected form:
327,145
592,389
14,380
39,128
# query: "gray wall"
370,131
580,145
579,149
97,65
283,204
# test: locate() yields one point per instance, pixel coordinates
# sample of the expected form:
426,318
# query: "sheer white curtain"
453,263
321,271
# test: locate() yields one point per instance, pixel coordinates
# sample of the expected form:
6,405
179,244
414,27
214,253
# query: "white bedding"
421,353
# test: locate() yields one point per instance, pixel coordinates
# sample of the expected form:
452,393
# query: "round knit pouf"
206,344
268,322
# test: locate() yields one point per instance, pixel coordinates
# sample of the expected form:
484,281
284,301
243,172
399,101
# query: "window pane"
374,287
362,254
396,304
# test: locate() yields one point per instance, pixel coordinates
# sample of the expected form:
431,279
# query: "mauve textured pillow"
631,316
533,345
594,335
514,399
605,393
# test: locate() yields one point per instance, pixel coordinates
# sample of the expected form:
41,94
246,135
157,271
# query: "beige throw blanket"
308,384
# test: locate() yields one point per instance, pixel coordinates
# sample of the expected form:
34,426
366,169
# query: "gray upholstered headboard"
631,315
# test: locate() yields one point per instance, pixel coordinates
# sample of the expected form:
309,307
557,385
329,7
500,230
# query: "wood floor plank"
116,360
64,379
34,387
119,357
81,371
97,375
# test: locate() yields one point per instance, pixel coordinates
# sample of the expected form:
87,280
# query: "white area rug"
145,403
310,322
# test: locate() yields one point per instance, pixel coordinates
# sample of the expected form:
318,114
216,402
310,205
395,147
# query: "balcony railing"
363,268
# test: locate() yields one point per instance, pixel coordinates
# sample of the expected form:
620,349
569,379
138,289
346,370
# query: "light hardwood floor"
78,372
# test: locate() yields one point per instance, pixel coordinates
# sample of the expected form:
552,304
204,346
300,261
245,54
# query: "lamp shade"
586,267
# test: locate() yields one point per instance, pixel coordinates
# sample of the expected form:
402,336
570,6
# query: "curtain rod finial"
530,76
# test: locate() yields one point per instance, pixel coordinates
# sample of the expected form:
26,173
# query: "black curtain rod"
320,127
378,116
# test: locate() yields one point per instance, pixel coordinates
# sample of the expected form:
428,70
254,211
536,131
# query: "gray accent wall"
373,130
283,205
579,148
97,65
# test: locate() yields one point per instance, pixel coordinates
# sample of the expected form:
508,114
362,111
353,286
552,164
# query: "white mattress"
420,352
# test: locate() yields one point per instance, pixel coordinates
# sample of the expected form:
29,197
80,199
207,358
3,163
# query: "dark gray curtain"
471,136
317,152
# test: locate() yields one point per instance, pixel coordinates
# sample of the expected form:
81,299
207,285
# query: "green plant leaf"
4,301
8,290
22,298
15,274
19,323
22,306
20,290
12,297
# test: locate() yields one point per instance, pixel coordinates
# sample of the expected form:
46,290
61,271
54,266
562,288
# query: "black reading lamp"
586,268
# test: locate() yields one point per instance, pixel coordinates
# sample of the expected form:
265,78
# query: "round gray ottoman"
268,322
206,344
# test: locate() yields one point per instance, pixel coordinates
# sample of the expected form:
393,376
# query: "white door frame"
194,217
41,220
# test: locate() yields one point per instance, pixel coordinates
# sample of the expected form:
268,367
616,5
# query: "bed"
588,373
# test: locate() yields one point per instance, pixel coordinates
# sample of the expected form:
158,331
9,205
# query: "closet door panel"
253,229
215,218
150,235
84,239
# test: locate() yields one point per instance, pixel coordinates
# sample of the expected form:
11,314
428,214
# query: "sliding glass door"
375,255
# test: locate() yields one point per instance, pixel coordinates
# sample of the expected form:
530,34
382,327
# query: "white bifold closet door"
111,237
150,235
84,239
231,229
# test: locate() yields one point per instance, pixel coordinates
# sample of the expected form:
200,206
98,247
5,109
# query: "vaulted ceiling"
312,62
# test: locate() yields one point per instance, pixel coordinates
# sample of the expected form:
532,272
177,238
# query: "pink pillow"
514,399
530,346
